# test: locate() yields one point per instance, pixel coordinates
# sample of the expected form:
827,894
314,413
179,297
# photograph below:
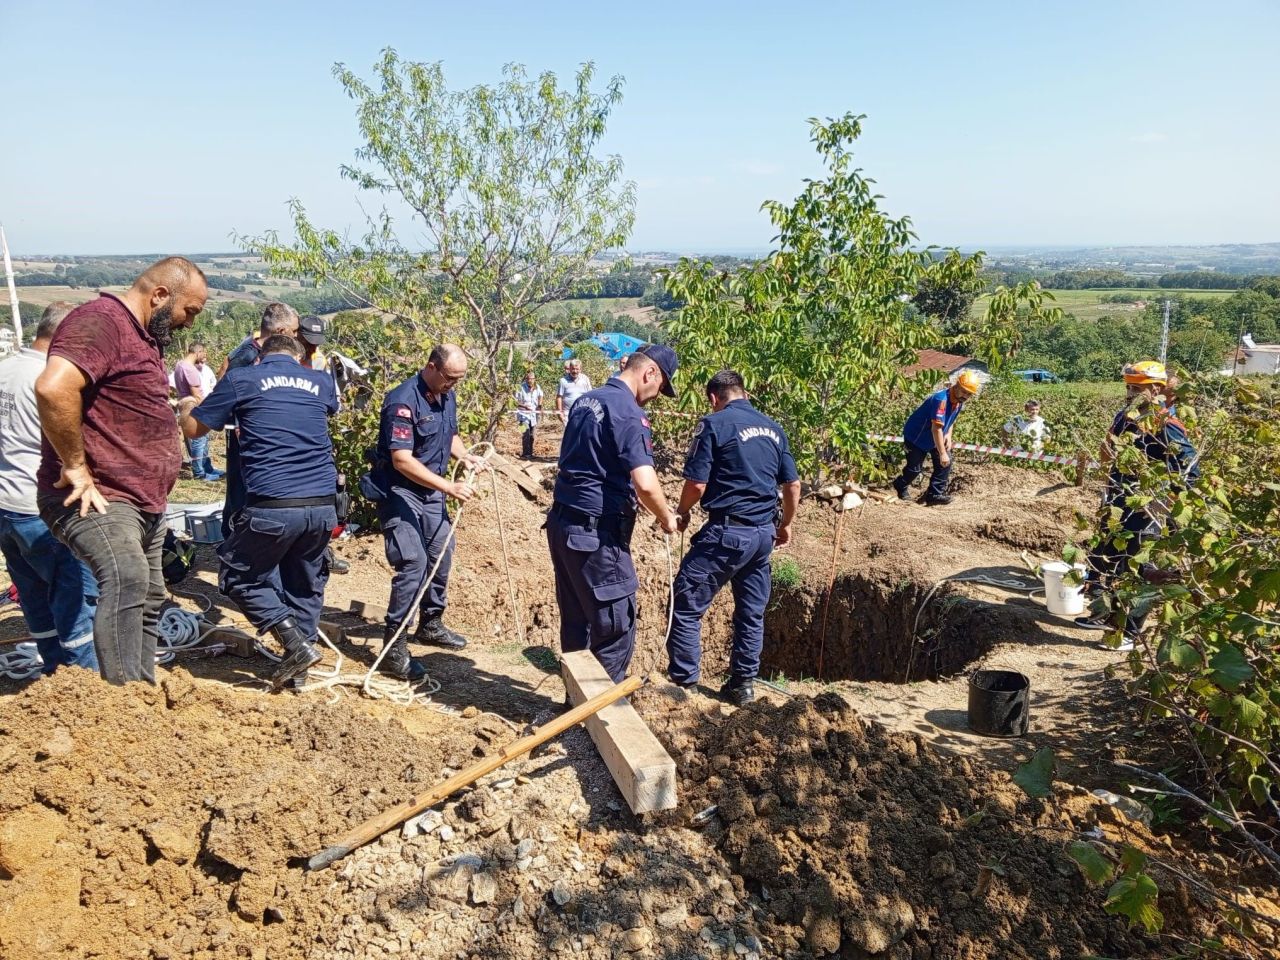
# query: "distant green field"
599,306
1088,305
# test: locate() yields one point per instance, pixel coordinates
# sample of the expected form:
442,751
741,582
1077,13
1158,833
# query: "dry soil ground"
858,819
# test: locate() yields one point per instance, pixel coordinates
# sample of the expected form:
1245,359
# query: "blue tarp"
616,345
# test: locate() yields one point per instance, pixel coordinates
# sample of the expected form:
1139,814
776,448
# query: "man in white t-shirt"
573,384
56,591
1027,431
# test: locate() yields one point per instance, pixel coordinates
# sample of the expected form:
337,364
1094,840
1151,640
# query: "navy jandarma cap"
667,362
312,329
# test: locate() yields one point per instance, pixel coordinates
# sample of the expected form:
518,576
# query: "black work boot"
738,692
938,500
433,631
903,490
397,661
299,653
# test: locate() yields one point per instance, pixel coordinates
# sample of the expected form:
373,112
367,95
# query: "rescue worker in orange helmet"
1148,417
928,434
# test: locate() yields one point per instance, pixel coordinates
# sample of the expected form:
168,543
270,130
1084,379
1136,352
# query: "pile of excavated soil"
865,843
145,821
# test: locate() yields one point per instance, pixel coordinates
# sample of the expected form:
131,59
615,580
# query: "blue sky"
136,127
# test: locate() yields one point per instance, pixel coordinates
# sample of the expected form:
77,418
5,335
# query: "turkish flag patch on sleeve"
403,412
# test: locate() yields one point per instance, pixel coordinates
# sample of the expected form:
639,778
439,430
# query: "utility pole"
1164,335
13,291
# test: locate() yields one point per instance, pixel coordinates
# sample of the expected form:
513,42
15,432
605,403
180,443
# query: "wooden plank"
369,611
517,476
238,641
642,769
333,631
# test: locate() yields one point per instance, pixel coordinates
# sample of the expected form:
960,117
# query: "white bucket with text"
1063,599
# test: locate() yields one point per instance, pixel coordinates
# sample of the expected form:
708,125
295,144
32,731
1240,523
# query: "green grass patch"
786,573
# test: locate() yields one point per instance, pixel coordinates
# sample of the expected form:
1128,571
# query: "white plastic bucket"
1063,600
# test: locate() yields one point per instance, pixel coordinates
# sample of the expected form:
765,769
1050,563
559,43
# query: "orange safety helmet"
970,381
1145,372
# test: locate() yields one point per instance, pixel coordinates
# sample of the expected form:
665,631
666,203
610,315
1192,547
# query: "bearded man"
110,454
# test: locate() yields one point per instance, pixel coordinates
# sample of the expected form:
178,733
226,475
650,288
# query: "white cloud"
1150,136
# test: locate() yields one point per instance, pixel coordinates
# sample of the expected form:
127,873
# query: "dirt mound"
165,817
865,843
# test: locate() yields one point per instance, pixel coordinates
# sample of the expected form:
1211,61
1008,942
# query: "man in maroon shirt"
110,454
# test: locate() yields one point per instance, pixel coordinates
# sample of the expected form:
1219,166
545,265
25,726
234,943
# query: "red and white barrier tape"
1010,452
998,451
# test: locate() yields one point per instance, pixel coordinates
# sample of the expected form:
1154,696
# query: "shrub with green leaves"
1211,657
822,327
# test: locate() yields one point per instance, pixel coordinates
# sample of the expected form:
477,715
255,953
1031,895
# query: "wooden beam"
517,476
642,769
333,631
238,641
369,611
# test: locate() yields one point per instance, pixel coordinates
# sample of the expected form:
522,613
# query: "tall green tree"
508,197
821,329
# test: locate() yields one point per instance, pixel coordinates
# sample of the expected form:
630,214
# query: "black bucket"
999,703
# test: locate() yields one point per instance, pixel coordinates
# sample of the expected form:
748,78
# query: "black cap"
666,360
312,329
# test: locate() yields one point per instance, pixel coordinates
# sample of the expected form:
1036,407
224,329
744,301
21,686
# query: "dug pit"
877,630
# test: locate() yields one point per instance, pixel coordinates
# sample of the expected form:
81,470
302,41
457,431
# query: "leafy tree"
822,327
505,185
946,295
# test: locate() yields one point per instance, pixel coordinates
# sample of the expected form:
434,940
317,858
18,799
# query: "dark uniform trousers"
273,563
595,585
236,494
1106,559
722,553
415,531
916,457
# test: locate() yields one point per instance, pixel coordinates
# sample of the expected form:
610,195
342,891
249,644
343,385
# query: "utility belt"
729,520
279,503
620,523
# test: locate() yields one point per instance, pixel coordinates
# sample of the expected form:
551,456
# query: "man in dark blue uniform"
1149,419
418,435
736,463
276,318
273,561
606,463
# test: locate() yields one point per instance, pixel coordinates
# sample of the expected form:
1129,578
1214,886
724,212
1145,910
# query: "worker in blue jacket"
273,563
927,435
737,461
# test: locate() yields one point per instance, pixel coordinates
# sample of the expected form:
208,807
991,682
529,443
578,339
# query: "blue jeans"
56,591
720,554
273,564
198,451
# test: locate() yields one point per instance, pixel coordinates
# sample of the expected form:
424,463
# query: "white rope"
369,686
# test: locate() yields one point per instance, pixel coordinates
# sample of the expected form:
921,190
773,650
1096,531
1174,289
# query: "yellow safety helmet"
970,381
1145,372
